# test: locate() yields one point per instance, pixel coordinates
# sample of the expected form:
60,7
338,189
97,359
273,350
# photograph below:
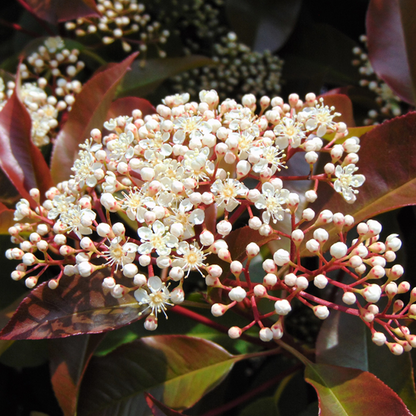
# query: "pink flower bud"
234,332
259,291
338,250
281,257
270,280
282,307
252,250
237,293
266,334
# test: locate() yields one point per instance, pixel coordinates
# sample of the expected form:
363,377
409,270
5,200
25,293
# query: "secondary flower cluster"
123,20
238,69
50,88
388,105
155,199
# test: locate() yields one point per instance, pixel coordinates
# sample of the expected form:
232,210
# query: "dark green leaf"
143,80
264,24
89,111
177,370
345,340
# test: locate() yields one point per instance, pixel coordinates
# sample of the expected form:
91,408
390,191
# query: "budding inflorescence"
49,88
168,172
388,105
125,21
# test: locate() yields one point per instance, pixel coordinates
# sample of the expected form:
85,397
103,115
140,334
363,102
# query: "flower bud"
349,298
252,250
270,279
372,293
281,257
259,291
321,311
338,250
282,307
266,334
237,293
290,279
234,332
320,281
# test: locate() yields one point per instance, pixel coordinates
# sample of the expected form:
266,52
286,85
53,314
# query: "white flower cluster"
61,65
170,174
123,20
389,105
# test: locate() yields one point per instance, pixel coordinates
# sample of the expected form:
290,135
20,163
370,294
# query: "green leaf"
346,391
21,161
264,24
78,306
89,111
177,370
389,169
143,80
391,47
55,11
265,406
68,361
345,340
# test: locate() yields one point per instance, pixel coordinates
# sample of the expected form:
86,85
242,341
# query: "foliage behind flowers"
236,225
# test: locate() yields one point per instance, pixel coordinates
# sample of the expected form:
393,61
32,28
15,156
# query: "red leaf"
68,361
78,306
20,159
6,218
352,392
390,169
124,107
342,104
158,408
89,111
391,48
55,11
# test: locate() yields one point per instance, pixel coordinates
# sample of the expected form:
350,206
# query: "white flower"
346,180
159,239
156,297
192,257
85,168
270,155
319,116
226,192
272,200
192,126
288,132
120,253
136,203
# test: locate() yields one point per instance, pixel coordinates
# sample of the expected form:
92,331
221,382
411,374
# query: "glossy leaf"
264,24
158,408
390,171
88,112
344,340
55,11
6,218
141,81
177,370
343,105
78,306
391,47
346,391
21,161
125,106
68,361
